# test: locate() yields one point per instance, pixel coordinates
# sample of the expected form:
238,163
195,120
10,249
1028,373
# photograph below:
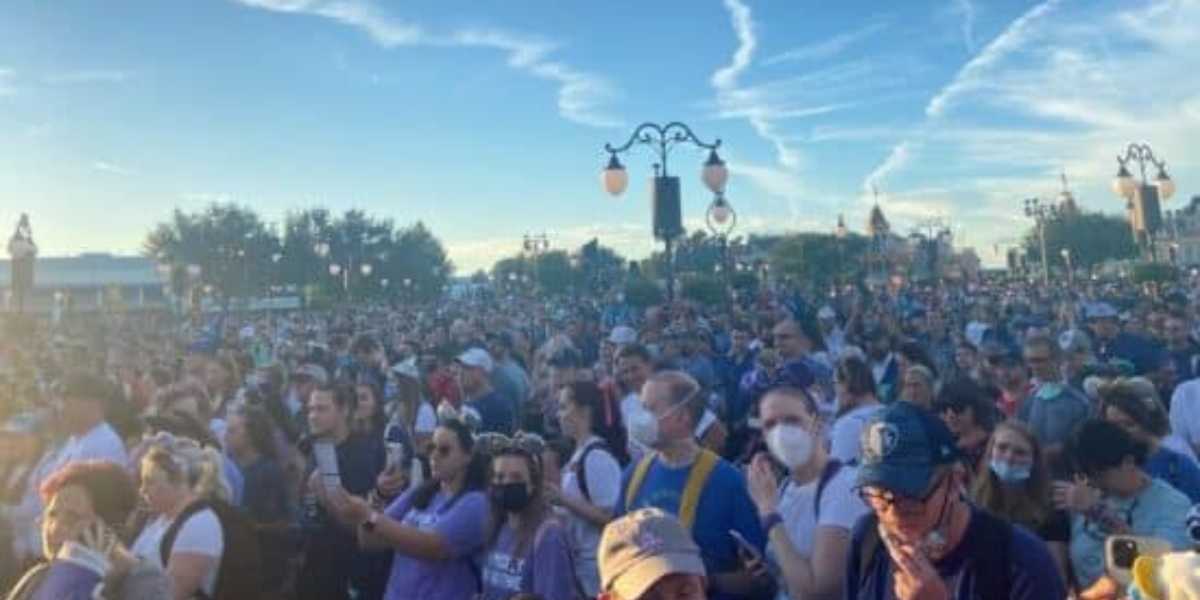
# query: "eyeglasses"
880,500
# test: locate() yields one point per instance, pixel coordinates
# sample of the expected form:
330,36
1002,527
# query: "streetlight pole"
721,220
1142,197
668,220
1066,254
1041,214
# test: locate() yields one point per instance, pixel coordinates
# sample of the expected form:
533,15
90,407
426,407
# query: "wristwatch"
371,522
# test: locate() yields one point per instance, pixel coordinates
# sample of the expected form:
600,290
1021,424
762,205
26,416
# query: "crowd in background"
858,444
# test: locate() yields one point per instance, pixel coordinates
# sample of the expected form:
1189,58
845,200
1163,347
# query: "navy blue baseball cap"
902,446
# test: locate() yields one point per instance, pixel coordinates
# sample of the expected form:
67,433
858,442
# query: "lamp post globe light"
668,218
366,269
1143,197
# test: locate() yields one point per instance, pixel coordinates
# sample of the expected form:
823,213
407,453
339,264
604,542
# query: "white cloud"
1063,88
743,26
1016,35
582,96
896,159
967,11
112,168
828,48
88,76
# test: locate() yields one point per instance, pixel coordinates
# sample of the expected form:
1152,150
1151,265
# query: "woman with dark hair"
436,529
854,385
528,549
591,479
251,439
1112,495
1133,405
83,533
369,414
970,415
1013,482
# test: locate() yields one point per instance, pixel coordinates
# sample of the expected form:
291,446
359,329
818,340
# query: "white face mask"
643,425
791,445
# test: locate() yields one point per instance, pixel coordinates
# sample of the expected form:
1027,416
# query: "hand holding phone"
327,465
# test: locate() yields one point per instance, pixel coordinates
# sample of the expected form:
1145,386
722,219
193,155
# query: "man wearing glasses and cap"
923,539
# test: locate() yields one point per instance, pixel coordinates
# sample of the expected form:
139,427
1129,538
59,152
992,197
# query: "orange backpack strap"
697,477
635,481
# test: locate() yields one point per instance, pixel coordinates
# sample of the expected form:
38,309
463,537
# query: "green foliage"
818,259
642,292
705,289
1091,237
744,281
553,272
1157,273
239,256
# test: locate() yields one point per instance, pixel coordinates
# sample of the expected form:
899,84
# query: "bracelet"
770,521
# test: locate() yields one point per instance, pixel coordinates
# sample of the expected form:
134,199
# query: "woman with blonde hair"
176,474
1013,482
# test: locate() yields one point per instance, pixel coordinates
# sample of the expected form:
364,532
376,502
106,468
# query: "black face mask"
511,497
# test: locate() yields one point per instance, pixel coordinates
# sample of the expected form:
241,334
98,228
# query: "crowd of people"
989,440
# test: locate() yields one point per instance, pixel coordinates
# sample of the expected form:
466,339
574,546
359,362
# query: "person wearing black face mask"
528,551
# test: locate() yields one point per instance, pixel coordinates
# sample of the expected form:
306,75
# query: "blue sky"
487,119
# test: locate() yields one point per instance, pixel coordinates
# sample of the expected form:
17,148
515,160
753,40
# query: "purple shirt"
544,569
462,525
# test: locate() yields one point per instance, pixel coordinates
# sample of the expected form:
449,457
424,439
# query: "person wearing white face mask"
1013,483
809,517
707,494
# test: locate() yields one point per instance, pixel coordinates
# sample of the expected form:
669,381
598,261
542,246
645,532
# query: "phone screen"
327,464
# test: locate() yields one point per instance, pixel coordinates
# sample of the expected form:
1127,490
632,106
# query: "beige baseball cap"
641,548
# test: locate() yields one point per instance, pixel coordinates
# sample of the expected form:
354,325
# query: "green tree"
818,259
704,288
553,272
642,292
1156,273
230,244
1091,237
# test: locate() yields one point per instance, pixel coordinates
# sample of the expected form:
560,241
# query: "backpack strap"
697,477
827,474
168,539
581,468
636,480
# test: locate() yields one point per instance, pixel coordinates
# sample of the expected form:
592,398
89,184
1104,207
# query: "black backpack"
989,551
581,467
240,570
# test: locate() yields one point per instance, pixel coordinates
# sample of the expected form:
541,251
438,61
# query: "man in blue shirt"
496,414
708,495
923,539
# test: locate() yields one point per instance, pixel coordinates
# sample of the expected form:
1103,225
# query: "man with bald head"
680,477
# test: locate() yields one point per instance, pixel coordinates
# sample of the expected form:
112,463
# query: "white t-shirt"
847,430
629,405
604,488
1185,412
426,420
841,507
100,443
200,534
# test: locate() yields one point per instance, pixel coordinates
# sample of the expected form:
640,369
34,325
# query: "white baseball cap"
478,358
623,335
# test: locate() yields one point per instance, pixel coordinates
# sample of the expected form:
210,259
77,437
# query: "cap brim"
641,577
909,480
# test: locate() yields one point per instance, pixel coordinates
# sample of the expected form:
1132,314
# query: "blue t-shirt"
496,414
462,525
1176,469
544,568
724,505
1033,575
1158,511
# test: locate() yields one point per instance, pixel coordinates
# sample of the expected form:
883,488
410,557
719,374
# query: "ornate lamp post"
23,251
668,218
1143,197
1042,214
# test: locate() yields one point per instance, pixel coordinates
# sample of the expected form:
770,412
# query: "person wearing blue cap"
1112,343
923,539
